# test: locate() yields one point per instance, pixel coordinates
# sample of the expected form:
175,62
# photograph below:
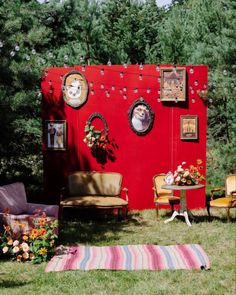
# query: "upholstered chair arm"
125,190
49,210
215,190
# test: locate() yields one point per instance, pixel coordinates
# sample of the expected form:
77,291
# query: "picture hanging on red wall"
189,127
55,134
141,117
96,138
173,84
75,89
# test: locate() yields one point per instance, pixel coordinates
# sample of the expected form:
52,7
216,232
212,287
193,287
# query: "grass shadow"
97,227
11,283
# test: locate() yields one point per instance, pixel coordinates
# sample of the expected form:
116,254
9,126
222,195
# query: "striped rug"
129,257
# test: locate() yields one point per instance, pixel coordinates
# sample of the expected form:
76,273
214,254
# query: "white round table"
183,209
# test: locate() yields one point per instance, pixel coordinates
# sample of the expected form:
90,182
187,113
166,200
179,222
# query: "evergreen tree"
24,39
203,32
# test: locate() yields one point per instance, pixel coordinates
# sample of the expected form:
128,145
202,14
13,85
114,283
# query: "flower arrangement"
37,245
188,176
95,138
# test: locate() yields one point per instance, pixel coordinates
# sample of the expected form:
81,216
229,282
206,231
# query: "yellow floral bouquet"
188,176
37,245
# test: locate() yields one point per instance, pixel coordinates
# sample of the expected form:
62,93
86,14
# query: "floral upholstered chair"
229,199
16,212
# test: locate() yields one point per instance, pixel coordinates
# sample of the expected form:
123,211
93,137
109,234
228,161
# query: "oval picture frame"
141,117
75,89
97,115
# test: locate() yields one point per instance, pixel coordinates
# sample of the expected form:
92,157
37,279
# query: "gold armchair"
229,200
163,196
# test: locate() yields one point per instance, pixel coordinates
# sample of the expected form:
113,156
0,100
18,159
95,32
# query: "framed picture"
55,131
141,117
173,84
75,89
189,127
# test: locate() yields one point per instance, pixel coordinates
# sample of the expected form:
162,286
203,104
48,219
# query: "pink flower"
5,249
25,247
179,168
15,243
177,178
25,255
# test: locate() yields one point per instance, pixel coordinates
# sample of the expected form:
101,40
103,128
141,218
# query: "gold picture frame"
55,131
173,84
189,127
75,89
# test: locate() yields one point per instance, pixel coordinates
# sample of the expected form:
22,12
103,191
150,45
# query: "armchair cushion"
13,197
223,202
92,201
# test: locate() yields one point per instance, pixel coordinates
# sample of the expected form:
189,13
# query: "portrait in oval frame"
75,89
141,117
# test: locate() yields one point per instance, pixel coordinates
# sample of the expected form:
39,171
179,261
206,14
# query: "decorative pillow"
13,198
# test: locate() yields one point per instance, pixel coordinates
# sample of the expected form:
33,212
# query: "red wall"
138,158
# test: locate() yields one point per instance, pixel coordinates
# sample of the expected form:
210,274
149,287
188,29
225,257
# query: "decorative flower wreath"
96,138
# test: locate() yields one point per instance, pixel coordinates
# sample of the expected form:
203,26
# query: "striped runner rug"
129,257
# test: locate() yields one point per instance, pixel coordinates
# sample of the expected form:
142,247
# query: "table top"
182,187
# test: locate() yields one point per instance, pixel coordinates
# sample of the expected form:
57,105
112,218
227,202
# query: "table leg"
175,213
183,210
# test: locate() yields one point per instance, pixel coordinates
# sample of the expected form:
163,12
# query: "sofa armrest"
49,210
233,194
125,190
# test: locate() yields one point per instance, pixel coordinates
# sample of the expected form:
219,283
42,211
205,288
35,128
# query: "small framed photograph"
189,127
173,84
55,131
141,117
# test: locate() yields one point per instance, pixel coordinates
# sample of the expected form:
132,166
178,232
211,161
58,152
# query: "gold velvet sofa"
100,190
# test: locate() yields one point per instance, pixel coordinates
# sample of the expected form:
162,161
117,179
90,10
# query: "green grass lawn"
216,237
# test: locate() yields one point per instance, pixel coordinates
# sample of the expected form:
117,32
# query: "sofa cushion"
13,198
94,201
94,183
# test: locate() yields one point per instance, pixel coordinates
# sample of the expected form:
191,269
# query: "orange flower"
34,233
19,258
42,231
31,256
42,221
10,241
7,228
25,238
23,225
199,161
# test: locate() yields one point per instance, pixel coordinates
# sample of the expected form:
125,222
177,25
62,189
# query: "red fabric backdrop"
138,158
